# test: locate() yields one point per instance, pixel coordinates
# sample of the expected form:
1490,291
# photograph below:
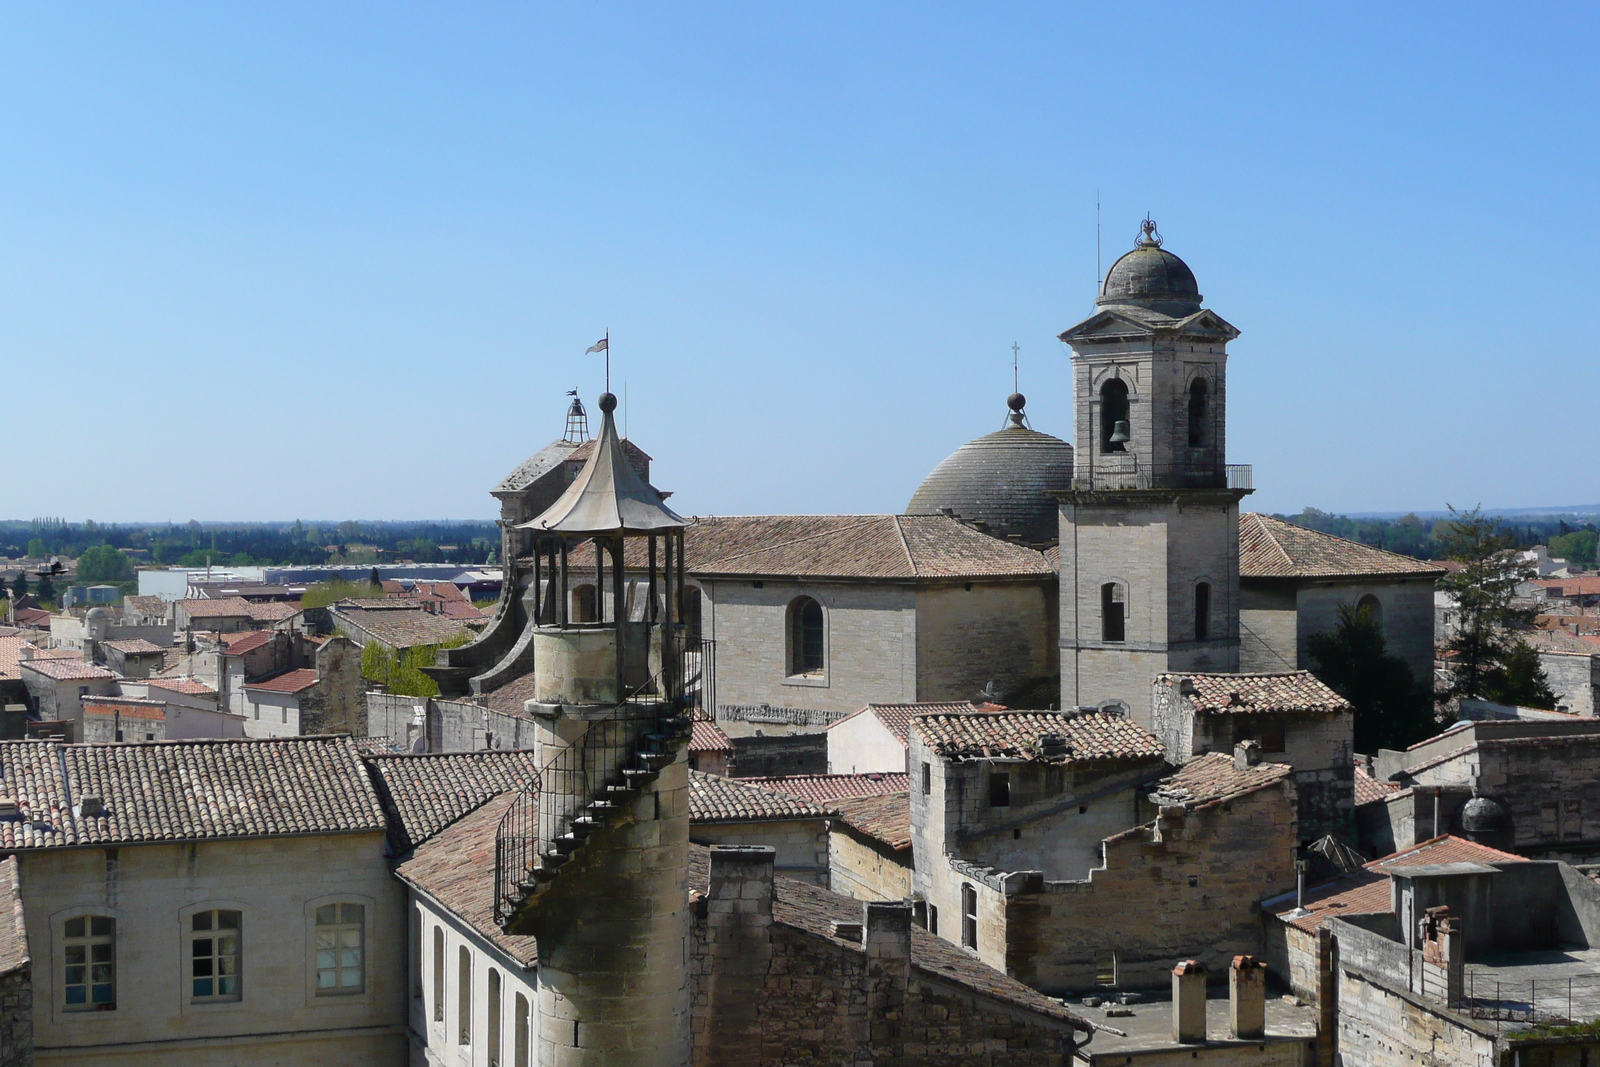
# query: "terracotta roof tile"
1249,694
456,868
31,773
127,707
885,818
854,546
713,798
822,788
223,607
66,670
183,685
708,737
11,647
247,641
1214,778
1369,788
144,606
428,792
294,681
403,628
509,698
273,611
1089,735
136,647
897,717
13,934
1272,548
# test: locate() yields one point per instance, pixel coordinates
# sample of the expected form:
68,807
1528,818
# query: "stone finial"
1247,999
1246,754
1189,1003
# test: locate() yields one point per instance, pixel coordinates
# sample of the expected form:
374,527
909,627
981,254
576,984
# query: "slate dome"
1151,277
1004,479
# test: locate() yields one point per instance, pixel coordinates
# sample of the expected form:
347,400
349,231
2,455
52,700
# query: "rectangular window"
933,919
1202,611
969,916
341,949
464,997
927,778
1113,613
999,790
214,955
1271,731
90,955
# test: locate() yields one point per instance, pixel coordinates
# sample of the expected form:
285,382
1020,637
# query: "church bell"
1119,432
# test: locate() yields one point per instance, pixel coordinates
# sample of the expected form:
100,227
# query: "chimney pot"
1189,1003
1247,999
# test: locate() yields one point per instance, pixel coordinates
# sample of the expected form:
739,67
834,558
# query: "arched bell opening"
1114,429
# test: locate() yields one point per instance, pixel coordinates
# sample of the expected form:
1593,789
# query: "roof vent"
8,807
1053,746
848,932
90,807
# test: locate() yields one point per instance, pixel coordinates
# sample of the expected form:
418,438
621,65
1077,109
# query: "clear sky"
333,260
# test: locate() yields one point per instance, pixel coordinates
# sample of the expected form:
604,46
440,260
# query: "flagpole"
608,359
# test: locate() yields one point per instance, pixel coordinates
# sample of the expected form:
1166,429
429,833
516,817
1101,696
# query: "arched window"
464,997
583,604
805,637
1113,409
1113,612
519,1039
691,611
438,974
1202,610
1197,413
492,1034
89,953
1370,607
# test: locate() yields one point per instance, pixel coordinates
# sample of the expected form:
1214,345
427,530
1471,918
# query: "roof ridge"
770,545
1266,532
905,546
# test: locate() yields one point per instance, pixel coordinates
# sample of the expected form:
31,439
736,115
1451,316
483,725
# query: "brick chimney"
1247,999
1189,1003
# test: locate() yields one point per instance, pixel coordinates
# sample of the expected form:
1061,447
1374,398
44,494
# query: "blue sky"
339,260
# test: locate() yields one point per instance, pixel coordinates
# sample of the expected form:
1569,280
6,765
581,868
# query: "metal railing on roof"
1126,471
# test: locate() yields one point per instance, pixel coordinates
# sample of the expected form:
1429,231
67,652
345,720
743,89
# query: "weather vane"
1148,234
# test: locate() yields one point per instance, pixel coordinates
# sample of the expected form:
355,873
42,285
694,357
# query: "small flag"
602,345
574,392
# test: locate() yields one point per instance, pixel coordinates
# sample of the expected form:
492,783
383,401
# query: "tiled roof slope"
288,682
814,911
708,737
13,935
1272,548
854,546
1214,778
713,798
1369,788
510,698
456,868
402,628
196,790
897,717
31,772
1249,694
273,611
137,646
144,606
10,654
822,788
66,670
428,792
886,818
183,685
225,607
248,641
1367,892
1089,735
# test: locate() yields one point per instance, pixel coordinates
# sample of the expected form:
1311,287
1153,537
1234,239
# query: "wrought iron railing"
1521,1004
1125,471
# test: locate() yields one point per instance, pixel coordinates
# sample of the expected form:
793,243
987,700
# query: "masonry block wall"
16,1018
1269,626
970,635
1184,888
801,845
335,705
1407,605
446,726
1574,677
1318,747
866,869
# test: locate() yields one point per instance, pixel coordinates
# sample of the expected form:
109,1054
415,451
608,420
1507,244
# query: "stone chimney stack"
888,936
1247,999
1246,754
1189,1003
738,947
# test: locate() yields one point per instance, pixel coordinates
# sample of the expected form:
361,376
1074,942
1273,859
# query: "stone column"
1189,1003
738,955
1247,999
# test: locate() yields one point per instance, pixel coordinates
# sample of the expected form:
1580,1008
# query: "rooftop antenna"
1098,276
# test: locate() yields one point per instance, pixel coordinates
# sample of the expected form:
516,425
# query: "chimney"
1247,999
738,949
1189,1003
1246,754
888,935
89,807
741,884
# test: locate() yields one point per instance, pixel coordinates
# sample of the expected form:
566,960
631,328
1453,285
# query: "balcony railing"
1125,471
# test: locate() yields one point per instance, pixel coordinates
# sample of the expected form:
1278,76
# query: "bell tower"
1149,555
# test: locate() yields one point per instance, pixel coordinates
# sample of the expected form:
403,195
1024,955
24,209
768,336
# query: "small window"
1113,612
90,957
438,974
805,637
341,949
1114,427
1372,608
583,604
969,916
464,997
214,955
1105,967
927,778
999,790
933,919
1202,610
492,1033
1197,413
1270,733
519,1038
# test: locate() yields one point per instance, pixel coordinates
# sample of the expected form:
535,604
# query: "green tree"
1485,644
37,548
1518,678
45,591
102,563
1575,547
19,585
1393,709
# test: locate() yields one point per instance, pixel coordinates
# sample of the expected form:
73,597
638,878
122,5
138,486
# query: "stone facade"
865,868
1278,616
335,704
455,966
16,1018
444,725
800,845
1574,677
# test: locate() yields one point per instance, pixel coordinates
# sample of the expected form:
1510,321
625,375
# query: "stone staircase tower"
592,858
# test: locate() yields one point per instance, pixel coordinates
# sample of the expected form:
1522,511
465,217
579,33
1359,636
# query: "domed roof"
1151,277
1482,815
1005,480
97,613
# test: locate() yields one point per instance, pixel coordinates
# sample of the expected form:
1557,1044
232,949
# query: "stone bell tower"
592,857
1149,556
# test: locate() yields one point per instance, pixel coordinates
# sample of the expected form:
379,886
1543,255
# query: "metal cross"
1014,349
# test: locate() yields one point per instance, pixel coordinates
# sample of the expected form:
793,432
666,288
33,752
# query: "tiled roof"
536,466
1214,778
31,772
66,670
13,934
10,652
273,611
403,628
1089,735
1562,641
144,606
183,685
138,646
127,707
454,609
509,698
1272,548
57,653
814,911
225,607
886,818
33,617
1369,788
854,546
821,788
1249,694
428,792
708,737
288,682
1565,587
897,717
1367,891
248,641
375,746
456,868
713,798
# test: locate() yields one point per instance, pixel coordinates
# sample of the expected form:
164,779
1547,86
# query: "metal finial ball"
1016,401
608,402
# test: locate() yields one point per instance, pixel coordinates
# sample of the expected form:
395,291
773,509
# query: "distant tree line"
194,544
1411,535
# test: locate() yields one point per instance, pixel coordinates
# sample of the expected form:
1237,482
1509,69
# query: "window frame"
999,789
438,974
1199,410
316,995
64,942
796,667
1202,610
969,916
522,1032
1114,396
216,909
1113,624
464,997
494,989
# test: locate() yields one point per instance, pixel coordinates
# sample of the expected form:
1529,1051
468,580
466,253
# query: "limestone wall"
16,1018
1268,627
448,725
439,936
801,844
866,869
861,744
1574,678
1382,1027
1318,747
973,634
1408,622
278,883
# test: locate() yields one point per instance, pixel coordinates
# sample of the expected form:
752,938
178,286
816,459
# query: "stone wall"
861,744
335,704
1320,748
767,994
976,633
865,868
1574,677
1408,618
763,756
104,724
448,726
801,845
1268,626
16,1018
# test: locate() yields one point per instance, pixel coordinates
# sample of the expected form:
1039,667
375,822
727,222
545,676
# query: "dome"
1151,277
97,613
1005,480
1481,815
